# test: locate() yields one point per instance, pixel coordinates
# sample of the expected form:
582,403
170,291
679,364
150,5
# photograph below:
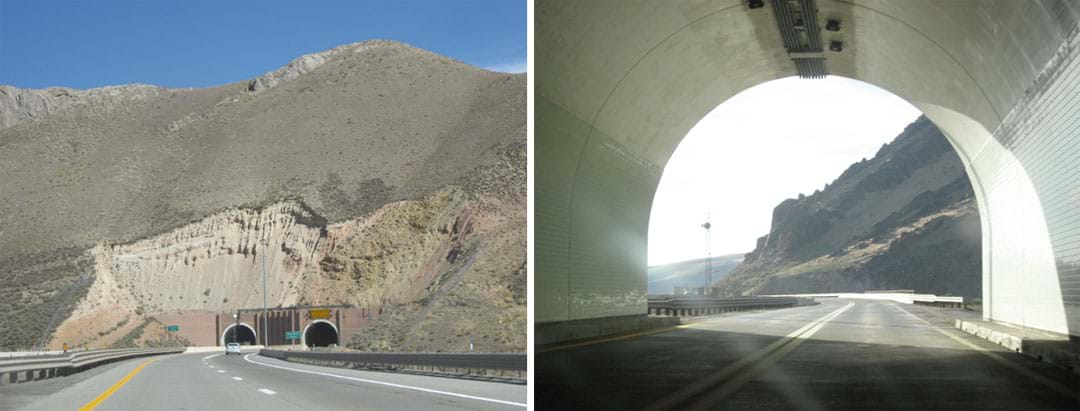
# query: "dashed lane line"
402,386
238,378
266,391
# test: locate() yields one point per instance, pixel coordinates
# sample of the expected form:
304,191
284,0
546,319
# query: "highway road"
211,381
841,354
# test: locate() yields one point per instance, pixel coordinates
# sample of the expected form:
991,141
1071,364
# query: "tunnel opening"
244,334
320,334
867,219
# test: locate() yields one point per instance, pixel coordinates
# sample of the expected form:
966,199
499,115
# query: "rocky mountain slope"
905,219
690,273
122,202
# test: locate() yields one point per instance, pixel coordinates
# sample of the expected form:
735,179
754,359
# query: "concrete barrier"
1044,346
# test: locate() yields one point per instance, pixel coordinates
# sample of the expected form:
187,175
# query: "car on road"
232,348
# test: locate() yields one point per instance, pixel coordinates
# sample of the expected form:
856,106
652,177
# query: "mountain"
905,219
690,273
379,173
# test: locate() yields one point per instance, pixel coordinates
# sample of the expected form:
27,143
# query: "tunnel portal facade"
619,84
311,326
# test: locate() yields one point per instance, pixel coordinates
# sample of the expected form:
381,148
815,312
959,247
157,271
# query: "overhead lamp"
755,4
832,25
836,45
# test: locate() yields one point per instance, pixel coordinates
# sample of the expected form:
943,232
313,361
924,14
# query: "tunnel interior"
320,334
245,335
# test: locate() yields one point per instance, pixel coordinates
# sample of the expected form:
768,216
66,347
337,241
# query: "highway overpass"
839,354
210,380
619,84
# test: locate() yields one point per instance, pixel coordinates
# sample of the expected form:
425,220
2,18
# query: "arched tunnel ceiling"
620,83
645,72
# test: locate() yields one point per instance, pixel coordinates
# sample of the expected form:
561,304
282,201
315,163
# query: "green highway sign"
172,328
292,335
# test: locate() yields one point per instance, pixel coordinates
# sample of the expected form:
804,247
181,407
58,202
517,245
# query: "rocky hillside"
905,219
690,273
127,201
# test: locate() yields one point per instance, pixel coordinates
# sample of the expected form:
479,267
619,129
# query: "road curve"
841,354
212,381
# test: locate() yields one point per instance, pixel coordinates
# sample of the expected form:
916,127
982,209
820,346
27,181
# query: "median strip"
109,392
735,375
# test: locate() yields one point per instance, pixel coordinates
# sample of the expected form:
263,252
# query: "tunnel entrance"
320,334
243,334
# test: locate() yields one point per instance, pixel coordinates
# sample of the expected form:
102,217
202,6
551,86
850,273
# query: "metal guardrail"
713,305
486,361
900,296
38,368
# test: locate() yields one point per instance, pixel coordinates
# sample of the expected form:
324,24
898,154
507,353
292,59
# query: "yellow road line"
109,392
1054,385
617,338
627,336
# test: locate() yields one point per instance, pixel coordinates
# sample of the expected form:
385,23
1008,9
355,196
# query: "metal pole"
266,334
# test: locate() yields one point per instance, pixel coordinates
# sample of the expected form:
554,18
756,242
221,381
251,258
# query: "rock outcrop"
124,201
906,219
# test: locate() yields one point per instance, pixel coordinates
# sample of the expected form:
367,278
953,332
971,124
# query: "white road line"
211,366
266,391
407,387
210,356
1054,385
735,375
238,378
220,370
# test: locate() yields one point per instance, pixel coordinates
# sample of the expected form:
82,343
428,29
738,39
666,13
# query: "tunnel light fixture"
836,46
755,4
832,25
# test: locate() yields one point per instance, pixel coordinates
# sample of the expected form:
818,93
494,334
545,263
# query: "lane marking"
735,375
266,391
210,356
634,335
238,378
220,370
1054,385
109,392
211,366
600,341
388,384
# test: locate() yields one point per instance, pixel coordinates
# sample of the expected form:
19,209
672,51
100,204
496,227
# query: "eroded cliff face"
447,269
905,219
214,264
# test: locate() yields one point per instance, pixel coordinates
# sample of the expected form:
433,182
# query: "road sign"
321,313
172,328
292,335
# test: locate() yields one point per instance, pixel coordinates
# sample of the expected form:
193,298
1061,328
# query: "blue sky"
173,43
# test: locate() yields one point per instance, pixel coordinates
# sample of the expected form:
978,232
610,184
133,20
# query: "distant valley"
689,273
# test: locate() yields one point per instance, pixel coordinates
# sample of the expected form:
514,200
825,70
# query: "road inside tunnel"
851,354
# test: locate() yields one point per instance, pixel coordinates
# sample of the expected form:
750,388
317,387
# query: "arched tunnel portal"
320,333
243,334
619,84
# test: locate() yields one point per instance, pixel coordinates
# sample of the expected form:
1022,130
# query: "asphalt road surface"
841,354
211,381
